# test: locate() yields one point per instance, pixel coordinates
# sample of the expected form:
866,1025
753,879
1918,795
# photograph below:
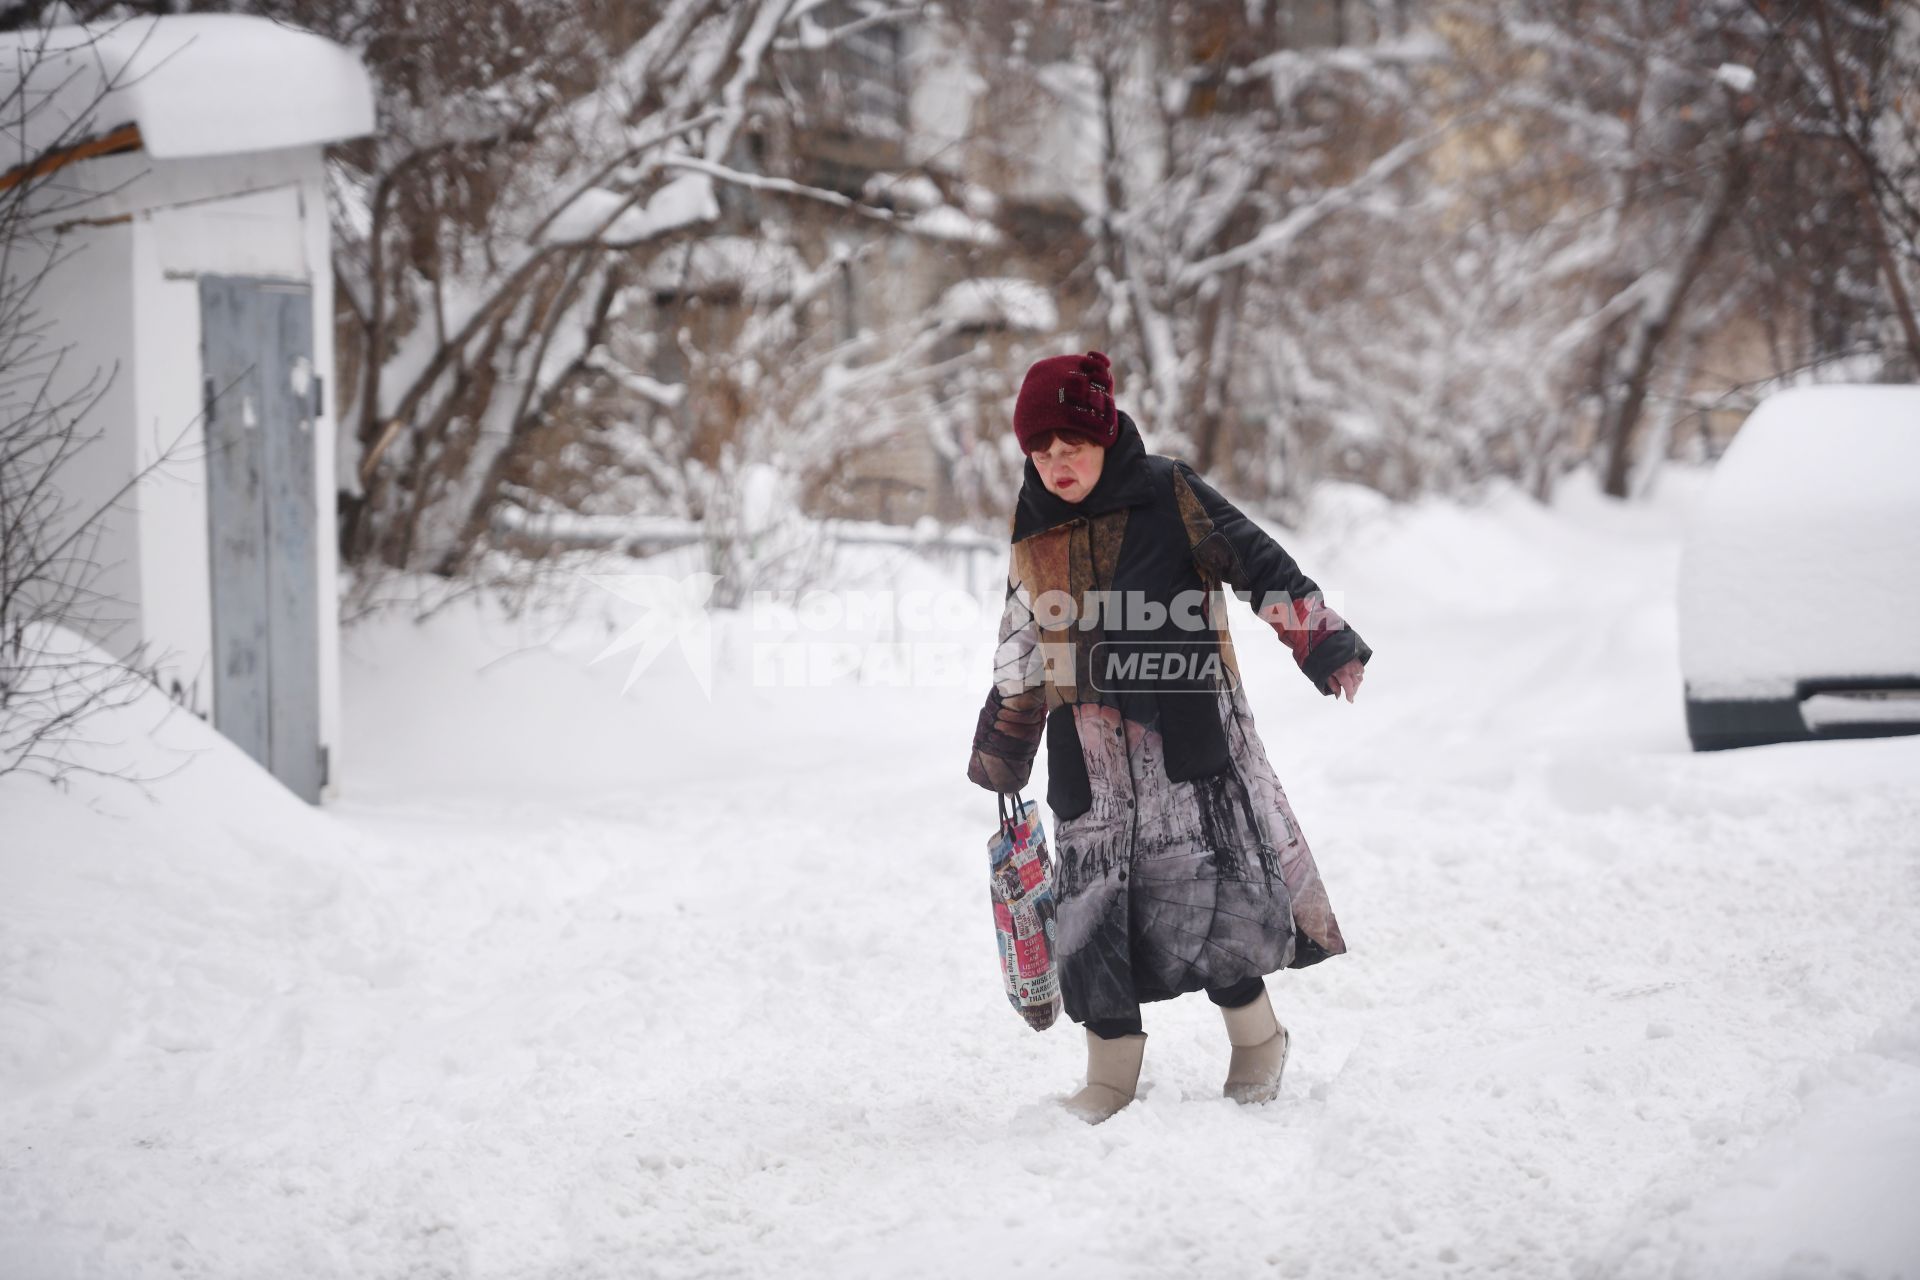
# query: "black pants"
1246,991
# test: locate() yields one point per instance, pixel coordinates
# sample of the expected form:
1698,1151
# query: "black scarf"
1154,551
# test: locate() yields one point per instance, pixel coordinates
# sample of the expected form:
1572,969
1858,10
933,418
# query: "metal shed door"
257,360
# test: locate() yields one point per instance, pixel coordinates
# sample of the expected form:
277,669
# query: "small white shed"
190,263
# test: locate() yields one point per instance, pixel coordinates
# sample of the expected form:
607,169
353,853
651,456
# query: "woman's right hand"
1347,679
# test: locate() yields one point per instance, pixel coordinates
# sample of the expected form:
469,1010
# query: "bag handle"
1009,816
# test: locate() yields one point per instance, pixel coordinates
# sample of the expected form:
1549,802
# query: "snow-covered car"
1800,573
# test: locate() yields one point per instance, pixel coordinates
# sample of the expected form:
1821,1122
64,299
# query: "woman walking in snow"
1178,864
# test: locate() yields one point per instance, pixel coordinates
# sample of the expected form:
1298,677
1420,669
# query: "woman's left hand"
1347,679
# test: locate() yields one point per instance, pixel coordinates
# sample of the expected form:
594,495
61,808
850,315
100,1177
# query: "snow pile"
948,223
583,983
999,302
921,196
1828,1192
1736,76
1804,557
915,191
195,84
760,269
195,940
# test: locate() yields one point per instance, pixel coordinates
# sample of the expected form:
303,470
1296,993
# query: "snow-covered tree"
58,592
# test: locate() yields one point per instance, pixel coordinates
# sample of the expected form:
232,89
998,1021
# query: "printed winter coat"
1179,864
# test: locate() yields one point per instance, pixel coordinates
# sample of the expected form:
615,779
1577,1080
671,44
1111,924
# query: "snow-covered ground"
577,984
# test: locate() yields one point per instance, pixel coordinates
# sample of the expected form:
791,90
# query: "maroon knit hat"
1067,393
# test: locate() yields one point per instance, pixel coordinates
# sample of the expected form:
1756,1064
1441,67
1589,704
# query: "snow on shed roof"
194,85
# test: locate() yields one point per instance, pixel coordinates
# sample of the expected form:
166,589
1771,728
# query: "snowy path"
572,987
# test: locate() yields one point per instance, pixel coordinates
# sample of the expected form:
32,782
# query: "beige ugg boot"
1113,1073
1259,1051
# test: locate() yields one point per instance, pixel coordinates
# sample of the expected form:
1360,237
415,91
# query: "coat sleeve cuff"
995,773
1005,740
